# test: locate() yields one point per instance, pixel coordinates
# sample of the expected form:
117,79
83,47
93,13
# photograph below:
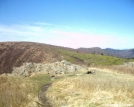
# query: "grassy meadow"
101,89
104,87
92,59
21,92
109,85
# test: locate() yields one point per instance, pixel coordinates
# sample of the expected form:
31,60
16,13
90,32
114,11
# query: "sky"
69,23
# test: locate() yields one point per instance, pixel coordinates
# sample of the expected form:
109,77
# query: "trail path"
42,96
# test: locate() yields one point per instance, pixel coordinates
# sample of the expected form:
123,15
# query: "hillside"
14,54
62,83
128,53
103,88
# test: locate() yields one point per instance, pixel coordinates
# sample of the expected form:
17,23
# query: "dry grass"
20,92
14,92
99,89
120,69
96,90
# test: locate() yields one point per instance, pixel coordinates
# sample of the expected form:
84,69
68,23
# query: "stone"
53,69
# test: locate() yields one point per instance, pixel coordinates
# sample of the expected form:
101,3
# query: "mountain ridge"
14,54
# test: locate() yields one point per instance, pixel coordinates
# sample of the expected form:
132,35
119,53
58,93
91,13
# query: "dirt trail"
42,96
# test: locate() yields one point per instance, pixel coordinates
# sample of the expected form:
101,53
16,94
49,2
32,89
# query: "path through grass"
99,89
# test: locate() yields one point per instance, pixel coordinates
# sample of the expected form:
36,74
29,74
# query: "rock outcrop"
53,69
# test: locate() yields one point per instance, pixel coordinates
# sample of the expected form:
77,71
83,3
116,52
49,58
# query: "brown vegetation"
20,92
101,89
16,53
120,69
13,92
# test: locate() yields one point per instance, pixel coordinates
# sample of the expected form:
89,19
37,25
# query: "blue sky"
69,23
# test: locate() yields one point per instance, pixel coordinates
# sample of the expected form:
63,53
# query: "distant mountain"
127,53
94,50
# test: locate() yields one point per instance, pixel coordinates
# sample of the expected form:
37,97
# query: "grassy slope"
14,54
101,89
20,92
92,59
95,90
75,90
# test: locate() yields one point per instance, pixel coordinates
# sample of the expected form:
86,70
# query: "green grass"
39,80
92,59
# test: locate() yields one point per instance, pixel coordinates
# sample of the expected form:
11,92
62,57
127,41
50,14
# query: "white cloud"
62,36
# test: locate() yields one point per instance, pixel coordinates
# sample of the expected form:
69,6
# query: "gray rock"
52,69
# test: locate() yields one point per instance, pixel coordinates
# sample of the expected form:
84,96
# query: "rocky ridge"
53,69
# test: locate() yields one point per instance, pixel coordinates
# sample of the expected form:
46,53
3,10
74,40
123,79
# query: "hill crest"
14,54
